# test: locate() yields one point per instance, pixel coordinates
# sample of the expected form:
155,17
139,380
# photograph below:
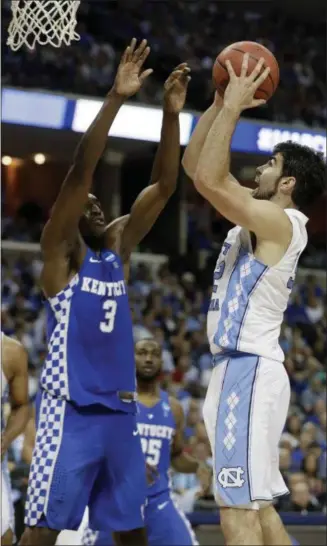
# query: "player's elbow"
167,187
203,182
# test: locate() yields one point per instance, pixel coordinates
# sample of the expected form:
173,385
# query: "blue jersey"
90,337
156,427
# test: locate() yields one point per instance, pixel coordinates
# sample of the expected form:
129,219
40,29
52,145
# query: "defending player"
248,395
14,383
161,427
79,459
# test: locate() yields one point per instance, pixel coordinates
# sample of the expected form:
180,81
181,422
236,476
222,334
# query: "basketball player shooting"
248,396
161,427
86,452
14,384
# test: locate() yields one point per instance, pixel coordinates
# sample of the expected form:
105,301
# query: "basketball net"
44,22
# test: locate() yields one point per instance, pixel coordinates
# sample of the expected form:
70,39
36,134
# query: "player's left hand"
204,475
240,91
152,473
130,74
175,89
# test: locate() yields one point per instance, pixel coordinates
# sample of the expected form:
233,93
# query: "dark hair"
307,167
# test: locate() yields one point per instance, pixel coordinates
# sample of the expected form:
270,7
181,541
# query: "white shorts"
244,413
7,510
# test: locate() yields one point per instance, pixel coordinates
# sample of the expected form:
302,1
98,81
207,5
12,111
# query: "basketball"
234,53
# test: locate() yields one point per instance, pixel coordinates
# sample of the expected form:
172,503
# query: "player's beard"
145,378
266,195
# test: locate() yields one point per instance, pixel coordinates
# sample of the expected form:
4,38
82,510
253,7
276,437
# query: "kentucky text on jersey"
249,298
155,431
90,338
100,288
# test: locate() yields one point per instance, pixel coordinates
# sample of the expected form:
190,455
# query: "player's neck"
94,243
148,389
283,201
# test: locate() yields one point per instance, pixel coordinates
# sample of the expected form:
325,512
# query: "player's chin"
147,375
97,229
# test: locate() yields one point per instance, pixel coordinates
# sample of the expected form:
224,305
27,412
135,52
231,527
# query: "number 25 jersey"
90,337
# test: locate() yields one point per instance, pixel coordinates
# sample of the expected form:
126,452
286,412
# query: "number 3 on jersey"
110,308
151,449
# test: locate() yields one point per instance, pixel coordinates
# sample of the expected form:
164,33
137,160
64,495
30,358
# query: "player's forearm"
193,150
214,162
16,424
166,163
185,463
92,144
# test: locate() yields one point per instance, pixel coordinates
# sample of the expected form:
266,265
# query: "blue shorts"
164,522
85,457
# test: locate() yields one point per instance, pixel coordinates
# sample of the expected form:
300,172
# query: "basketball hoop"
44,22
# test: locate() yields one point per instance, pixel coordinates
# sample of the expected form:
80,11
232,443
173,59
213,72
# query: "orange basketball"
234,53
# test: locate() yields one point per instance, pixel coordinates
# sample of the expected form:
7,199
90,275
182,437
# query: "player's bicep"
144,213
265,219
18,387
61,229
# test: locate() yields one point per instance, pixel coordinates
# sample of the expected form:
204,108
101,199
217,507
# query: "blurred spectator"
301,500
314,392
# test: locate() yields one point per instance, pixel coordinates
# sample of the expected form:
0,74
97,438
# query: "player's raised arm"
263,217
18,392
193,150
153,199
61,230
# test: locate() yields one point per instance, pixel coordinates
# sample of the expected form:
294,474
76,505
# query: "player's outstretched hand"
175,89
239,94
130,74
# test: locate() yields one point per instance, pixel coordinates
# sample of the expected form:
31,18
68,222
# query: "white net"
43,22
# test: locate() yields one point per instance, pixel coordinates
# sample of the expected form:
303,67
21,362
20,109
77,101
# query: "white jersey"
248,298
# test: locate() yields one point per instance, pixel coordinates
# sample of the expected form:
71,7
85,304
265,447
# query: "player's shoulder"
14,349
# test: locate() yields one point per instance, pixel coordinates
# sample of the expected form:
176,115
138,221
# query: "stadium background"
46,105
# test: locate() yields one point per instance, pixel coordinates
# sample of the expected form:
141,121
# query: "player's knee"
236,519
38,536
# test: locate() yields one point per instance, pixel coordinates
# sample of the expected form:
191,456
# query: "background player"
14,383
161,427
83,396
248,395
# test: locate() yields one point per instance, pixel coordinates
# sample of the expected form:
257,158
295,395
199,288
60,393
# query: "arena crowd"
175,35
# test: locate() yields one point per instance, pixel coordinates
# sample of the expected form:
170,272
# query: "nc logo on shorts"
231,477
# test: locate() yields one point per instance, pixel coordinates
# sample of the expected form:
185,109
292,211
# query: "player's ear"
287,185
